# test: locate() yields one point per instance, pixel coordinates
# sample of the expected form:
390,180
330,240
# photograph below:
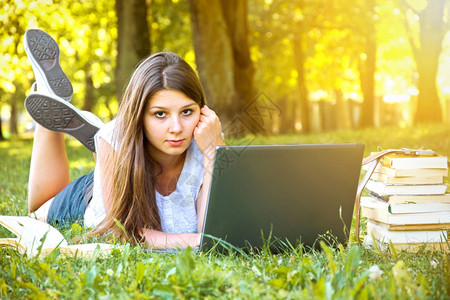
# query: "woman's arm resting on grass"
153,238
202,197
159,240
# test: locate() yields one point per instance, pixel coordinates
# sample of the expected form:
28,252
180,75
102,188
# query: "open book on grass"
35,237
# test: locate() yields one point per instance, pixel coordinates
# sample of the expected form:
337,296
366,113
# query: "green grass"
335,272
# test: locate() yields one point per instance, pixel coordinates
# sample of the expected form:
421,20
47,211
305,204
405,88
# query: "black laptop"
281,195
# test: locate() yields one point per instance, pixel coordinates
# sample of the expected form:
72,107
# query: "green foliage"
171,28
85,32
330,38
336,272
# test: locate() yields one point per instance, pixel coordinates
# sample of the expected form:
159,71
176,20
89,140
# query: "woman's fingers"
206,110
207,134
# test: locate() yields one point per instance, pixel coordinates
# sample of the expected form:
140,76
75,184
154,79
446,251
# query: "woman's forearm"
202,198
160,240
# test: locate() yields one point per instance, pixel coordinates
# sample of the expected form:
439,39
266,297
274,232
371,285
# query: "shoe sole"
61,116
43,51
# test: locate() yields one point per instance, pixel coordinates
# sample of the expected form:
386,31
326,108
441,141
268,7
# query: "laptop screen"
287,194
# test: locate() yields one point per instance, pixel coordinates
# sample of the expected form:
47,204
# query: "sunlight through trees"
302,65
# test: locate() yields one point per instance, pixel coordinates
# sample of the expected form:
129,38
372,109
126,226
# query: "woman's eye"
160,114
186,112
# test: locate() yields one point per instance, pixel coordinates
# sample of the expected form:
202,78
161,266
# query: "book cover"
406,237
413,227
444,198
407,179
404,208
426,172
369,242
35,237
402,161
382,215
384,189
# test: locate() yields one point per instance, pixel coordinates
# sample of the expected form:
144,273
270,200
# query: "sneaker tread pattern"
46,53
57,117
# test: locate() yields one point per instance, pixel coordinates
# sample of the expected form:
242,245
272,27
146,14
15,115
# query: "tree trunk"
287,120
13,119
427,59
133,39
18,96
342,115
299,56
89,97
367,69
2,137
214,56
235,14
225,69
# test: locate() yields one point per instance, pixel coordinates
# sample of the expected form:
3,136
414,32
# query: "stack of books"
408,206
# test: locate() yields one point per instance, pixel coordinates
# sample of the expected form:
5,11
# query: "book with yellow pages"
407,179
424,172
37,238
402,237
381,214
413,227
404,208
402,161
443,198
369,242
385,189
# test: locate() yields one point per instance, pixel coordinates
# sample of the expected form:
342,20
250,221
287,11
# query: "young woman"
153,161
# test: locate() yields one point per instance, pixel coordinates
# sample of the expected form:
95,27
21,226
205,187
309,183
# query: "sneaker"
43,53
56,114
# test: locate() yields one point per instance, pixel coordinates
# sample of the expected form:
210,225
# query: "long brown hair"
133,202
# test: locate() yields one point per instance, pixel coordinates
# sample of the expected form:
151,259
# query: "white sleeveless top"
178,211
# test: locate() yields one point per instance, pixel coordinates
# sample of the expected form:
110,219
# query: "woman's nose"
175,125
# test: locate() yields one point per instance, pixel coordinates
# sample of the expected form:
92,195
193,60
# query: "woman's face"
169,122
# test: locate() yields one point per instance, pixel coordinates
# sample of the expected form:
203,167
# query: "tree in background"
426,48
213,54
171,28
14,84
302,46
133,39
331,66
281,45
94,47
297,53
89,49
222,55
81,28
366,31
2,136
235,13
356,26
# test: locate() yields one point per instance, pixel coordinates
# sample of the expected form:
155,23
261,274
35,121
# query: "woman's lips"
175,143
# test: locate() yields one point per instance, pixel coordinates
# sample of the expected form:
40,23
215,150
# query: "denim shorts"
69,205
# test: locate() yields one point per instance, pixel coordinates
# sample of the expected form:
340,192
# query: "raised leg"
49,168
55,114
